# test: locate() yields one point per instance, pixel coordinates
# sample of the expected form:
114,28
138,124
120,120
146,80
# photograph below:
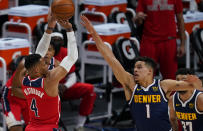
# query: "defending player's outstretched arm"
122,76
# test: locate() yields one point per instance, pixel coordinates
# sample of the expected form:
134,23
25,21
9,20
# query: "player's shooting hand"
87,24
51,19
65,23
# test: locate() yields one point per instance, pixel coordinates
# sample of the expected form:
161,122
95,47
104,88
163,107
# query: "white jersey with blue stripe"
149,108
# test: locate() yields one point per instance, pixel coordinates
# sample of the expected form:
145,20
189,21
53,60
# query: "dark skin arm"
18,92
61,87
17,79
52,80
181,33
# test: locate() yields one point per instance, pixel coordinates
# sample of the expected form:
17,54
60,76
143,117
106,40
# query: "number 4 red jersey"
43,109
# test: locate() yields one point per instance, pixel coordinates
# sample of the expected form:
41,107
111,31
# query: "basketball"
63,9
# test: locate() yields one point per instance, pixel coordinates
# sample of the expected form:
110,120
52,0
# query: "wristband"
69,29
50,28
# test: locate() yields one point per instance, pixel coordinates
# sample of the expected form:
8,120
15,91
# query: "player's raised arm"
122,76
44,42
64,67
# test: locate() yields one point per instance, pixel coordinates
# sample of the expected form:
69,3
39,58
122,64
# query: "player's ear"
37,68
151,71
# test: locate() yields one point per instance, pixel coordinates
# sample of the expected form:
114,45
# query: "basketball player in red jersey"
13,99
40,86
14,103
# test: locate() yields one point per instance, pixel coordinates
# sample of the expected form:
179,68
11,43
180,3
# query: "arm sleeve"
43,44
72,57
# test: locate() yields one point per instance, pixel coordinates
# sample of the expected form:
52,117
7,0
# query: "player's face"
141,71
181,77
50,53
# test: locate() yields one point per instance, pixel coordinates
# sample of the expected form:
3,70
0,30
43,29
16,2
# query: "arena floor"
70,112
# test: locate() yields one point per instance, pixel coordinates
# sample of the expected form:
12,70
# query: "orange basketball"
63,9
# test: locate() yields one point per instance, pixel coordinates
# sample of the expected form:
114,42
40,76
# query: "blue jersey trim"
33,83
199,112
51,65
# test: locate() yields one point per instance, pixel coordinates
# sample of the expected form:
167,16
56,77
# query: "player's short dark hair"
56,42
185,71
31,60
148,61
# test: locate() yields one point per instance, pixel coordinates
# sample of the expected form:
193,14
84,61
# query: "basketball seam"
61,5
61,13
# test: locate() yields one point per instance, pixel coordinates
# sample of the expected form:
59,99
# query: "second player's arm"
121,75
181,27
181,32
17,80
172,115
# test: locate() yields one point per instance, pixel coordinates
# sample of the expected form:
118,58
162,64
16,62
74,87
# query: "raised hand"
65,23
87,24
51,19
